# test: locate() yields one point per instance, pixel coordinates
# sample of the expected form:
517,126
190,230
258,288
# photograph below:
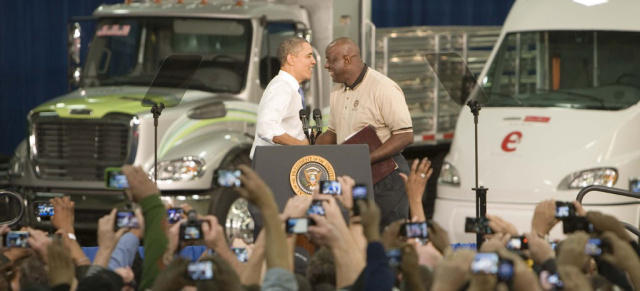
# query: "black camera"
477,225
192,228
518,243
565,210
577,223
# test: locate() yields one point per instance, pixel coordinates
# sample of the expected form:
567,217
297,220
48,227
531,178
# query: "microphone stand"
156,110
481,192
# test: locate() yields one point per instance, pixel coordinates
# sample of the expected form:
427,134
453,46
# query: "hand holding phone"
241,254
360,192
198,271
330,187
174,215
191,230
229,178
518,243
115,179
16,239
414,230
485,263
316,208
298,225
44,209
565,210
395,257
126,219
477,225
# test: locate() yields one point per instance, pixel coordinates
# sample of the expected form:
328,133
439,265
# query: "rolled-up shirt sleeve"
272,111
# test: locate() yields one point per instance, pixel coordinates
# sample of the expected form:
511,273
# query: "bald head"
344,62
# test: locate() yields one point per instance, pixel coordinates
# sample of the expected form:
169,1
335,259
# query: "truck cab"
105,122
562,87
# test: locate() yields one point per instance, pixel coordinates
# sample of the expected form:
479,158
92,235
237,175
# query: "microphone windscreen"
317,113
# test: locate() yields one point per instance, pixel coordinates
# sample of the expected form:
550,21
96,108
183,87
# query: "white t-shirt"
279,111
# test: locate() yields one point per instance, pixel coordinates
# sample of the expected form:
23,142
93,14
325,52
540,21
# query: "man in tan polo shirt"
363,96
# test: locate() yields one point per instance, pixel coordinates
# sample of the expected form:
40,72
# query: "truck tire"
229,208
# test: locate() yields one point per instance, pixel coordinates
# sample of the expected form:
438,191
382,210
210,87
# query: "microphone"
304,117
317,116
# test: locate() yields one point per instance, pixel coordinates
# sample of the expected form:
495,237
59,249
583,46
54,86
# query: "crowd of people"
348,253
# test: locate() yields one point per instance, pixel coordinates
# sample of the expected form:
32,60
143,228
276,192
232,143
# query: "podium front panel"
275,164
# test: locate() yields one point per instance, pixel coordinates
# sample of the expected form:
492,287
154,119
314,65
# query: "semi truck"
560,112
102,123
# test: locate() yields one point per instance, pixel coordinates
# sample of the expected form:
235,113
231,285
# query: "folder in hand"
367,135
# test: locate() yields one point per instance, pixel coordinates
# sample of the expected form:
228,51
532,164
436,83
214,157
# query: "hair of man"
289,46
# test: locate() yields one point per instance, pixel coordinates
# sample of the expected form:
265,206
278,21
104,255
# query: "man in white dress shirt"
278,114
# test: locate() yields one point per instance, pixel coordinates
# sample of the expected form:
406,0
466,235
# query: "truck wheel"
230,209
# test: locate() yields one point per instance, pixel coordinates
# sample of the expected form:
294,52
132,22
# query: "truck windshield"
597,70
129,51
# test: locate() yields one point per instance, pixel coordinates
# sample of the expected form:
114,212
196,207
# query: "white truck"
74,137
562,113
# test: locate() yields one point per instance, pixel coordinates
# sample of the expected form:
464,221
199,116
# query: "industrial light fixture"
590,3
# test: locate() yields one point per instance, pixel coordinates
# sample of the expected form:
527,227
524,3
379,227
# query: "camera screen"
45,209
477,225
200,270
126,219
517,243
192,232
359,192
551,281
395,257
485,263
174,215
562,211
330,187
227,178
17,239
316,208
241,254
505,270
116,179
297,225
593,247
634,185
416,230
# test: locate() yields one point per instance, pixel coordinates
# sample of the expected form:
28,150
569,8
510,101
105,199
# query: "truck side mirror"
74,47
11,207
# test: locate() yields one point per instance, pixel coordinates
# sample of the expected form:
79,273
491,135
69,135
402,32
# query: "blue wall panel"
33,61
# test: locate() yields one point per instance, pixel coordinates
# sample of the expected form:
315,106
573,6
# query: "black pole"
156,110
481,192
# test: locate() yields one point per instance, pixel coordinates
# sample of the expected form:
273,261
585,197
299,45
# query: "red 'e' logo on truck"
511,138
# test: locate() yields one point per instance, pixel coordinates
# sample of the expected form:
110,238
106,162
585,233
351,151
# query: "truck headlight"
598,176
16,166
184,169
449,175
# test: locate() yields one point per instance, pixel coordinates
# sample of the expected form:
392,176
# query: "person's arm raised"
256,191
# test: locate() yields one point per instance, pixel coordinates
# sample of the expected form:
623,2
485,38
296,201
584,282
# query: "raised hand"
63,213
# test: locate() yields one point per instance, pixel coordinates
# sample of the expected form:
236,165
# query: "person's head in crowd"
343,61
296,58
303,283
31,272
321,268
104,280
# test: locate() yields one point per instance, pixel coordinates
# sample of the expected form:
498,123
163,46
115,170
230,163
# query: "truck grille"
79,149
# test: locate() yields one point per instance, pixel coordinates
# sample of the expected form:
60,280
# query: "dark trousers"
391,195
